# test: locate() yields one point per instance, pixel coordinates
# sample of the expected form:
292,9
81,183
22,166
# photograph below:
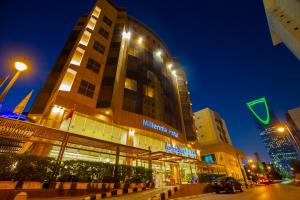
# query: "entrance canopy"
29,132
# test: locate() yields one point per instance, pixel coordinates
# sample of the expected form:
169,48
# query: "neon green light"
257,101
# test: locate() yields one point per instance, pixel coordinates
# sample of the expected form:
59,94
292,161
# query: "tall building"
284,23
293,120
278,145
215,143
121,83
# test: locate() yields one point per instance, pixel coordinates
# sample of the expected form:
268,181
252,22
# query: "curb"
114,192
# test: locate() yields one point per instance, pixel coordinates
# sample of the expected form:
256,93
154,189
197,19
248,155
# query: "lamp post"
283,128
20,67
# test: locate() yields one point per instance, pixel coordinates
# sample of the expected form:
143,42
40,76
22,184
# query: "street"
271,192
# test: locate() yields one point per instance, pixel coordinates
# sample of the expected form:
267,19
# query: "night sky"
225,47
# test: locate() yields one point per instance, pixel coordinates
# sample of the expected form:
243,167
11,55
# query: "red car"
263,180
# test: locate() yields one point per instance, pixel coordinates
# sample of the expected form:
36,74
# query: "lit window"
133,52
85,38
96,12
77,57
92,23
68,80
131,84
148,91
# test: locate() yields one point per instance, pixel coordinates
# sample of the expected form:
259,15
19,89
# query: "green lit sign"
263,101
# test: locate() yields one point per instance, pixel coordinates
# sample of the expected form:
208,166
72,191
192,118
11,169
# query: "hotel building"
284,23
215,143
122,85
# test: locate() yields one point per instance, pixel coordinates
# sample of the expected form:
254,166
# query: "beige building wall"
211,128
213,138
284,23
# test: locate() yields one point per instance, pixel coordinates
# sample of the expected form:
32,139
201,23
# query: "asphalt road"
270,192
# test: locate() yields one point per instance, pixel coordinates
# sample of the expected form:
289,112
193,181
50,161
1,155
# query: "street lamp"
283,128
20,67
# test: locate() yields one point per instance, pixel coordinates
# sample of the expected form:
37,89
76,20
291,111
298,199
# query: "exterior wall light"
158,53
169,66
126,35
140,40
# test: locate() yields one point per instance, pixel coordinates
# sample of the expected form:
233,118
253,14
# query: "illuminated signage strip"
160,128
180,151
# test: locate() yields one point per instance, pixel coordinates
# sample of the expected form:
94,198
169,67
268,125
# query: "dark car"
226,184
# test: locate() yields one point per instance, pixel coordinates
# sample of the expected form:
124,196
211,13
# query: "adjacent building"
293,121
278,145
214,140
284,23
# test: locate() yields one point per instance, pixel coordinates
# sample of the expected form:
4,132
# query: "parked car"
226,184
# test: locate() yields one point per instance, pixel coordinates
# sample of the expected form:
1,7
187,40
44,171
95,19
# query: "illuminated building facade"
215,143
124,87
279,146
284,23
293,121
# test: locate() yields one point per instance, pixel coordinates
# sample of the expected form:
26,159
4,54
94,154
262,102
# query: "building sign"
180,151
160,128
210,158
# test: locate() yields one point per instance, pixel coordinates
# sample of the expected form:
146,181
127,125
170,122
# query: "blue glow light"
160,128
180,151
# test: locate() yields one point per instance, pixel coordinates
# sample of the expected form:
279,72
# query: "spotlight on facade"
158,53
55,109
131,132
169,66
126,35
174,72
140,40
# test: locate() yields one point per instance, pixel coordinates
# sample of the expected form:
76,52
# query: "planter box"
106,186
57,185
132,185
119,192
81,186
99,186
67,185
111,186
6,185
31,185
122,185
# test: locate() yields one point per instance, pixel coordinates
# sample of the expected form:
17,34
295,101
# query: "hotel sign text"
180,151
160,128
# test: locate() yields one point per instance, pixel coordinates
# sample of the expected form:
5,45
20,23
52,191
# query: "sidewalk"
144,195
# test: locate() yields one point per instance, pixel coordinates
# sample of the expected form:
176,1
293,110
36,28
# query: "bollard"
21,196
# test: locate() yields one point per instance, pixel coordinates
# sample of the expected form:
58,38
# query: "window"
77,57
68,80
96,12
93,66
85,38
133,52
86,88
99,47
131,84
107,21
92,23
103,32
148,91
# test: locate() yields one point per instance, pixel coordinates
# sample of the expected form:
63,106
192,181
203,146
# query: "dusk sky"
225,47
